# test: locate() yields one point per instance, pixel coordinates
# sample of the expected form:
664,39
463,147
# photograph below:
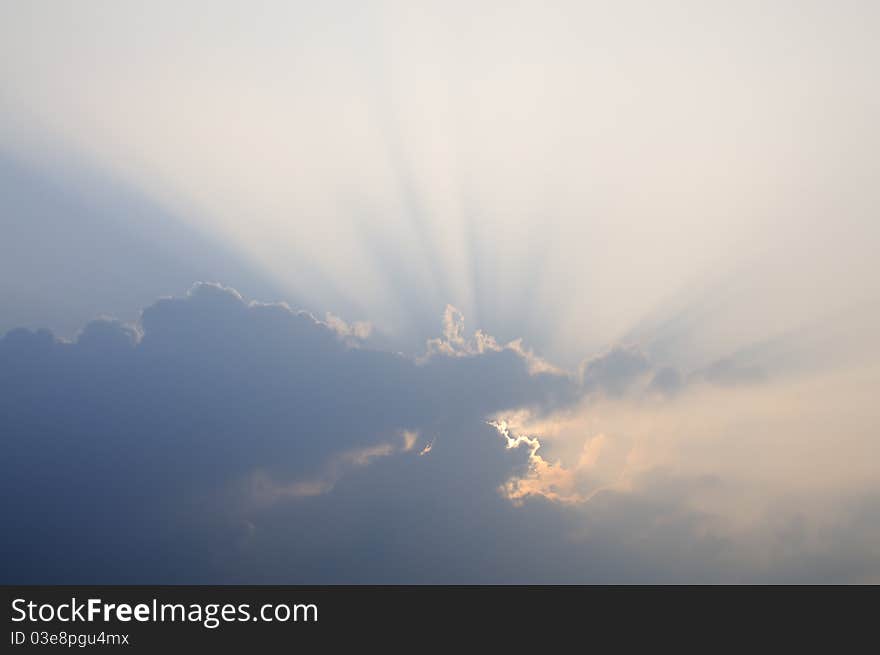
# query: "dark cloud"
225,441
114,439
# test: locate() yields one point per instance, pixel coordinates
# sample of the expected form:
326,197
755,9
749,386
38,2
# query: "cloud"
221,440
614,371
727,371
357,331
667,380
214,402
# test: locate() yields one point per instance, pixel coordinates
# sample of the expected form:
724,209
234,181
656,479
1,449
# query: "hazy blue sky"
592,289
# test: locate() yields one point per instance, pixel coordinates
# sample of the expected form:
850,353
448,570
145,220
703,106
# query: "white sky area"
559,171
698,179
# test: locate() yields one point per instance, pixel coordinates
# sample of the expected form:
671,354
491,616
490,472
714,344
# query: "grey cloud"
224,441
730,372
625,370
615,371
119,435
667,380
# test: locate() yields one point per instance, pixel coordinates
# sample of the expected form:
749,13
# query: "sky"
400,292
